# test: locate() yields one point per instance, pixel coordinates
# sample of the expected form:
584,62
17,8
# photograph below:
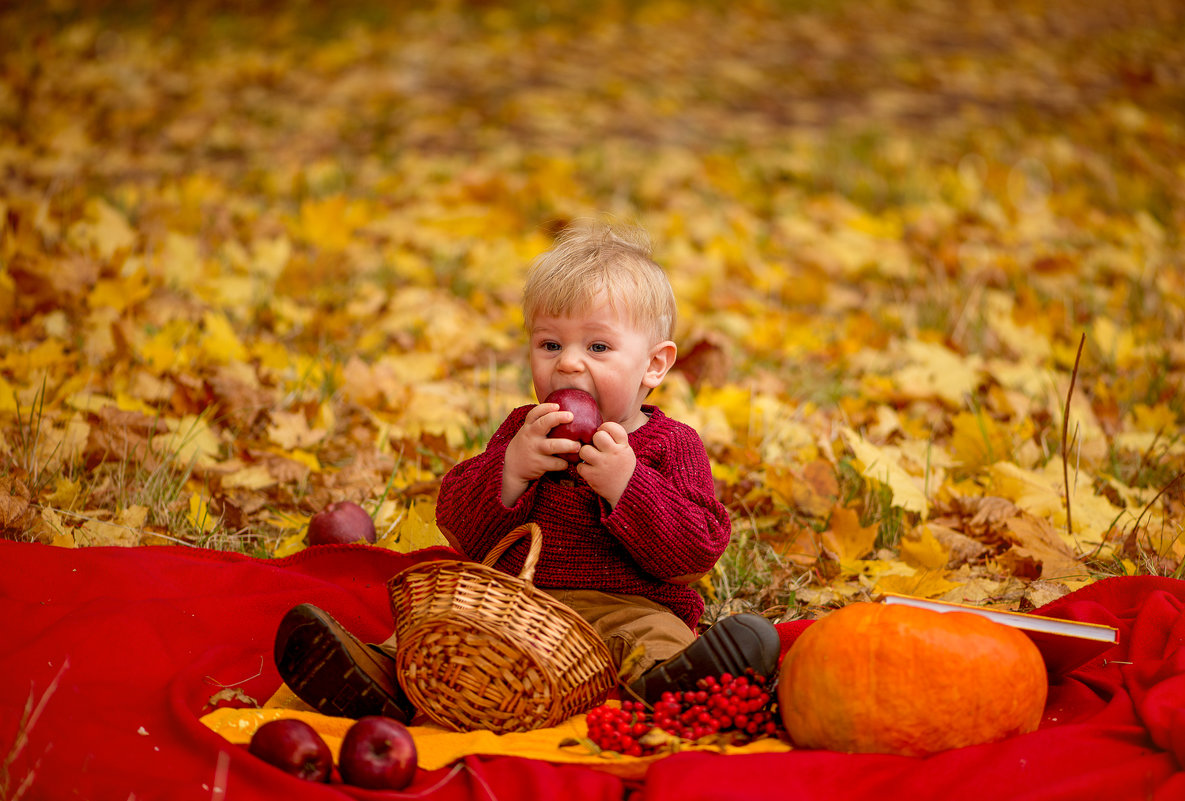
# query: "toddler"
626,530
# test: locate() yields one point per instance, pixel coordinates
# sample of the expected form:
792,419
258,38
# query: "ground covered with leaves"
255,257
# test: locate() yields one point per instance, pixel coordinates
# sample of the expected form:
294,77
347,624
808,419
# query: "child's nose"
570,360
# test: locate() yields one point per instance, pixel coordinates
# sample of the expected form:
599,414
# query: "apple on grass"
586,418
378,753
341,522
294,747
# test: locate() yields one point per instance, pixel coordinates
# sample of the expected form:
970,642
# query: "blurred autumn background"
255,257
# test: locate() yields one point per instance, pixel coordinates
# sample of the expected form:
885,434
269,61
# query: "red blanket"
109,656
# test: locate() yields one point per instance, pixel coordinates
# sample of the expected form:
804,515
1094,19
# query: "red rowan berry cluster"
728,703
619,730
718,705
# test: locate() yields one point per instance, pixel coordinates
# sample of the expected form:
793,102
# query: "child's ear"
662,359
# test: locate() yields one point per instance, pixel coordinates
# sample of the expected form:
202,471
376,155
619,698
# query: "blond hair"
590,257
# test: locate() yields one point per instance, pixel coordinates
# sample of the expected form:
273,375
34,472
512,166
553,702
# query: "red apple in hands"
378,753
341,521
586,418
294,747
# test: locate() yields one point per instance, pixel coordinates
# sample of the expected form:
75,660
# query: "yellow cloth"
437,747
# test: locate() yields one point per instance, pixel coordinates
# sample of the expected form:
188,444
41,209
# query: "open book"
1065,644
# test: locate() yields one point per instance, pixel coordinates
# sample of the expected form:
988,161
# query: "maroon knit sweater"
668,522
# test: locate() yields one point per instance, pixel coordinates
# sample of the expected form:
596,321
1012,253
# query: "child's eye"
599,347
550,346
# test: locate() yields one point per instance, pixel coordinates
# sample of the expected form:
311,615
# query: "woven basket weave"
482,649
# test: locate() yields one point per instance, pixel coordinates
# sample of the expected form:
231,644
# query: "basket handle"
516,534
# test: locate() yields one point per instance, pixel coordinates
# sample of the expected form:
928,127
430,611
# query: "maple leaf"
922,548
932,370
15,513
415,529
120,293
329,222
1035,539
178,264
104,229
846,538
812,491
922,584
192,441
49,528
248,477
1042,494
884,466
795,543
199,515
291,431
977,441
125,530
219,342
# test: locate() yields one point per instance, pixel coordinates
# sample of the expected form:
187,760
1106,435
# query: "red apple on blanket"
586,418
341,522
378,753
294,747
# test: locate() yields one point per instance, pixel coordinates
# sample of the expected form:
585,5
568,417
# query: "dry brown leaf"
229,696
962,549
1021,562
988,515
705,360
1041,592
1038,544
812,491
16,514
796,543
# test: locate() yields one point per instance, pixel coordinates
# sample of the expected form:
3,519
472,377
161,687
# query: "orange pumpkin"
894,679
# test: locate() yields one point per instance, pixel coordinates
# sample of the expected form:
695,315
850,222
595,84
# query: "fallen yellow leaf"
846,538
416,530
923,584
199,514
922,549
880,464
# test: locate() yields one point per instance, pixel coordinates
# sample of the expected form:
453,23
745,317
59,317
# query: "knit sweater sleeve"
469,505
668,518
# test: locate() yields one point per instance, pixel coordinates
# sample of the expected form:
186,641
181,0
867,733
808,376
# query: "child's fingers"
550,419
610,434
560,445
540,411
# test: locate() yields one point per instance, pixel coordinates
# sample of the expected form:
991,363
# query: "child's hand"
608,463
531,453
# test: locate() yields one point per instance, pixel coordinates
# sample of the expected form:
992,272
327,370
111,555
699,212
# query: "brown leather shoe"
332,671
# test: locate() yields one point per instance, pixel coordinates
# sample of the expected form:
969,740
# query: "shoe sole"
332,671
735,645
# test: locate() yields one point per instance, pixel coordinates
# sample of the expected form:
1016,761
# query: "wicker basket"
482,649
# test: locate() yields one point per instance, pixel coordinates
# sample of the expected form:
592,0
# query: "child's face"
603,353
